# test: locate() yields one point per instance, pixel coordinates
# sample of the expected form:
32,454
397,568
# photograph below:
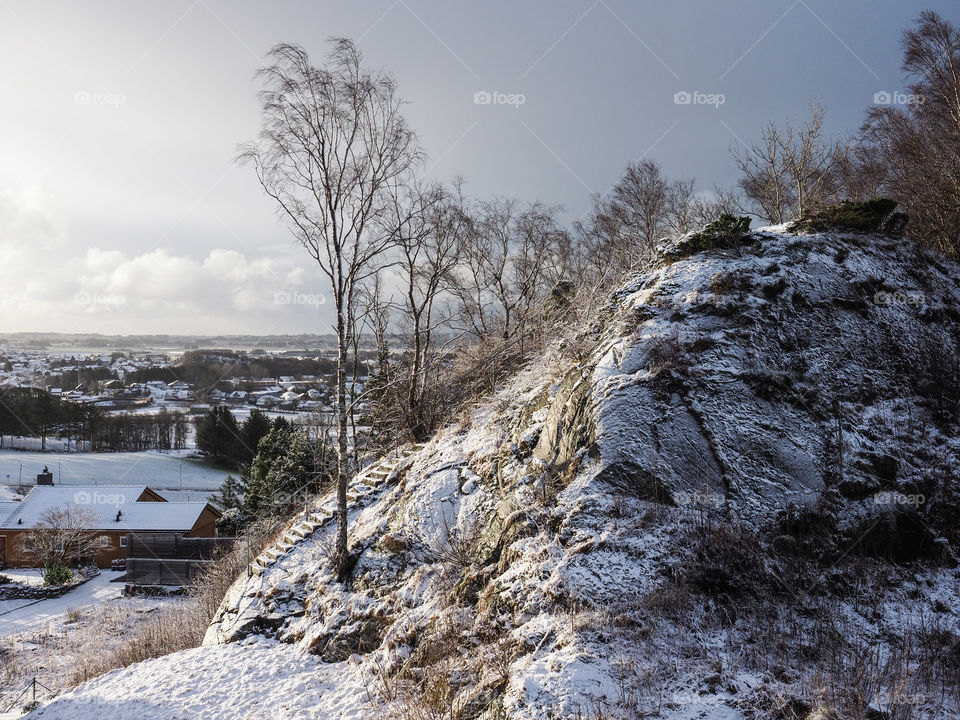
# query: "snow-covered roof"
104,502
6,509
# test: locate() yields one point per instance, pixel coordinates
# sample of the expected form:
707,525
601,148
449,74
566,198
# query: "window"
106,541
123,541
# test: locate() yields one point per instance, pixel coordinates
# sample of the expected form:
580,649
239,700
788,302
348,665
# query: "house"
268,401
114,513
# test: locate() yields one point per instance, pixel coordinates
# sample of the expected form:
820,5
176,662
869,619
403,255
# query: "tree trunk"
413,396
343,473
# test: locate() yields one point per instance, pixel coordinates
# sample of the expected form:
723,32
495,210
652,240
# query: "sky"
122,210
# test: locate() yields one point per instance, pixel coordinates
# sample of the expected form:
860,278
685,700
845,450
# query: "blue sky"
122,211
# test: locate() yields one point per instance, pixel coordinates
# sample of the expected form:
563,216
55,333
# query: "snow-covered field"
171,469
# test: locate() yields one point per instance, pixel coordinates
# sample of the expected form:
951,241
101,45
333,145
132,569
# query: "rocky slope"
735,498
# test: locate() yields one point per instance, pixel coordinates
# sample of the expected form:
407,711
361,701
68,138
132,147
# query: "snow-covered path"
17,616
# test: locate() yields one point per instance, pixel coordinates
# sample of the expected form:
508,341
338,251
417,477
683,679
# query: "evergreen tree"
255,428
258,494
218,435
230,495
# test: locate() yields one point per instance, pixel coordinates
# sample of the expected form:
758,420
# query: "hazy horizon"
122,211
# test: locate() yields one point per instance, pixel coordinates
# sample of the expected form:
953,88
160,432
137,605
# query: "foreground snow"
253,679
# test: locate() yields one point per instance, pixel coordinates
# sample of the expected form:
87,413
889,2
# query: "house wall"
206,525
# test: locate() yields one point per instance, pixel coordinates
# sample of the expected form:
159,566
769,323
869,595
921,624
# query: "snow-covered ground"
27,576
71,639
17,616
171,470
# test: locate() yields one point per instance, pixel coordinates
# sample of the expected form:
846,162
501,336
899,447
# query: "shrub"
775,289
729,280
872,216
56,574
724,232
727,562
807,531
669,354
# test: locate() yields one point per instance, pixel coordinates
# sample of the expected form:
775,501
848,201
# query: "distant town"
121,378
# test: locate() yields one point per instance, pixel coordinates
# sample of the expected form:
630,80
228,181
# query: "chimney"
45,478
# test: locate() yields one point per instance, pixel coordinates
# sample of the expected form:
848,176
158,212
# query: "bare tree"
429,225
912,151
333,140
637,209
764,179
688,209
510,260
681,207
62,536
792,171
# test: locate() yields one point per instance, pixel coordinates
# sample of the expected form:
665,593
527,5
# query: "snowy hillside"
690,513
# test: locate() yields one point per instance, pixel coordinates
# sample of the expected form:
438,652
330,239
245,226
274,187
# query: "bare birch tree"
912,151
792,171
333,139
429,225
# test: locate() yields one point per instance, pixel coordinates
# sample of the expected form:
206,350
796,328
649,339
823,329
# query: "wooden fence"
175,546
170,559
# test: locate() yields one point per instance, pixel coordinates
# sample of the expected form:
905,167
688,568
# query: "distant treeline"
207,368
89,376
129,432
36,413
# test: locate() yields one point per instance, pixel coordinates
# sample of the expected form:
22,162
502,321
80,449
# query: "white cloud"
50,285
